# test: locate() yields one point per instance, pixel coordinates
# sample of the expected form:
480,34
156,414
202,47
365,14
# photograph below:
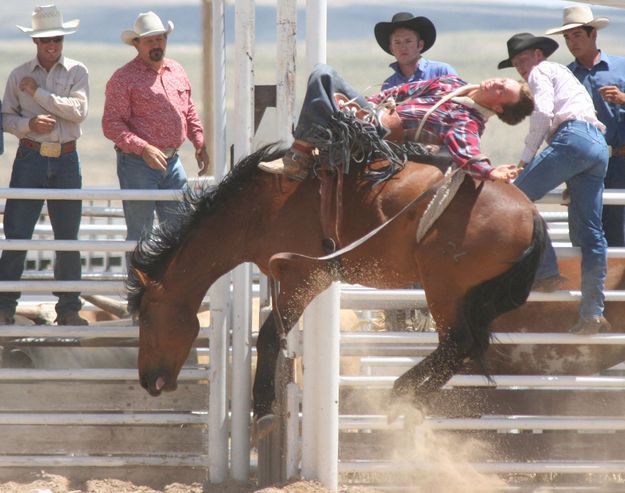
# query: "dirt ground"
49,483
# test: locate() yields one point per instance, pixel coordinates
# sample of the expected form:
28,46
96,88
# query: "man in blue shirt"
406,37
603,76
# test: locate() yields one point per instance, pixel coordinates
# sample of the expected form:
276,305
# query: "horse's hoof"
263,427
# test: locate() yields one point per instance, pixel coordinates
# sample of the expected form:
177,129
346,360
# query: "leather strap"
33,144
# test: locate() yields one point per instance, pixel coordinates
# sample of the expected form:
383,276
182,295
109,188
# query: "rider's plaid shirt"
457,123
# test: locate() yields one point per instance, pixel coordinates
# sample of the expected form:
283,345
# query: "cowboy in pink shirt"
148,113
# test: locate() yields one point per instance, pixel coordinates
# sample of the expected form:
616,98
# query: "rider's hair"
514,113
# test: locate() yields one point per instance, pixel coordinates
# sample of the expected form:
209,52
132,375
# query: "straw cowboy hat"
579,15
422,25
147,24
524,41
47,21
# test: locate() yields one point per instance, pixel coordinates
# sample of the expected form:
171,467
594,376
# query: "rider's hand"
505,172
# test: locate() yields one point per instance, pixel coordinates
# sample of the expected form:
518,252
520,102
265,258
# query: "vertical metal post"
215,98
316,32
241,337
285,67
320,427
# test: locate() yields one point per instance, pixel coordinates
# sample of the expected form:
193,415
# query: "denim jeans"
577,155
319,104
134,174
31,170
614,215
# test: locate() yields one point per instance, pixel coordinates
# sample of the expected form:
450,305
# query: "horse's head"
167,329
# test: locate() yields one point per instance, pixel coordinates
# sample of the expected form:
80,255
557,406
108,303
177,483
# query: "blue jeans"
614,215
319,104
134,174
577,155
31,170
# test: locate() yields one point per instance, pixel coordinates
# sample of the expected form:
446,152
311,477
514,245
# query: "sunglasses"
56,39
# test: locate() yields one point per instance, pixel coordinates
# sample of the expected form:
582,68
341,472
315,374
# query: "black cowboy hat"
422,25
524,41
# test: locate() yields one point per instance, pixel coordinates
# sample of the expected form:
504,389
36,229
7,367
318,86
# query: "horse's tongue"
160,383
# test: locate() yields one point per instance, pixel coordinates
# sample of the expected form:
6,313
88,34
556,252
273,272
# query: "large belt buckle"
50,149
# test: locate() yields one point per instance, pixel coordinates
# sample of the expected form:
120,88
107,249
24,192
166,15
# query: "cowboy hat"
576,16
422,25
147,24
525,41
47,21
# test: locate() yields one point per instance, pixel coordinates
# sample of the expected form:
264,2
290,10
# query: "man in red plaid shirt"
457,120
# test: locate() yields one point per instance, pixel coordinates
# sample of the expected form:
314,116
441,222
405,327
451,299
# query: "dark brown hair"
514,113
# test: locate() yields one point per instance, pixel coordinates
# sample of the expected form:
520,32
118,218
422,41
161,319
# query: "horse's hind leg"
434,370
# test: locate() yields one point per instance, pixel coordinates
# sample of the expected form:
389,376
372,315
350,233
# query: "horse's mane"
155,249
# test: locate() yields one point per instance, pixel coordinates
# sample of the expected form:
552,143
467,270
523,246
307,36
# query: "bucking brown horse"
476,261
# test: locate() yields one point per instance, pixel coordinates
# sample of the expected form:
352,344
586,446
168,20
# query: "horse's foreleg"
300,279
267,348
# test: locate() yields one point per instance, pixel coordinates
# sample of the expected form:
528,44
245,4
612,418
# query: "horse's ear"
148,283
142,276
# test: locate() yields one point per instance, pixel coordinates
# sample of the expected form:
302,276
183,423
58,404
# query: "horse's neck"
213,249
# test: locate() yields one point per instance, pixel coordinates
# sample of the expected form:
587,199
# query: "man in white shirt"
576,154
44,103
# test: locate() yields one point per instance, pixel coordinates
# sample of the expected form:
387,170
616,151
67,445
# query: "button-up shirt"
426,69
558,98
143,106
457,123
63,92
608,71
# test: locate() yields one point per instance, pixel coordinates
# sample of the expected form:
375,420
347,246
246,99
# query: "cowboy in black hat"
406,37
576,154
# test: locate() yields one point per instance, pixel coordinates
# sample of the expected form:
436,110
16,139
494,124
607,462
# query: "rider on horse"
444,111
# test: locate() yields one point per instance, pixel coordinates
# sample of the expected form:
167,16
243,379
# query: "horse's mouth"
155,386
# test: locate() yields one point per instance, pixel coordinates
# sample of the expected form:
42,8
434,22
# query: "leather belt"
49,149
168,151
617,151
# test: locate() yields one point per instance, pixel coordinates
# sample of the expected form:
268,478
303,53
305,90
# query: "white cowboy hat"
576,16
147,24
47,21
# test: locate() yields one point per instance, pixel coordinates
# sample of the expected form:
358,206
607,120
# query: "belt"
617,151
168,151
49,149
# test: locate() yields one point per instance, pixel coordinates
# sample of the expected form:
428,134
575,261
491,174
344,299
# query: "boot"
295,164
590,325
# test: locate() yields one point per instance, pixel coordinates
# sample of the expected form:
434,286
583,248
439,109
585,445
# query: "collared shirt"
63,92
457,123
608,71
143,106
426,69
558,98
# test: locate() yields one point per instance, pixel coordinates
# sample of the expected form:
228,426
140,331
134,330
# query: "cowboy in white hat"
45,101
603,76
407,37
148,114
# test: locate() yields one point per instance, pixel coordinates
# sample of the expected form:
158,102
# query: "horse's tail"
485,302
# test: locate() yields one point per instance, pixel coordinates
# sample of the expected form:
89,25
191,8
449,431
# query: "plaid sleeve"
463,142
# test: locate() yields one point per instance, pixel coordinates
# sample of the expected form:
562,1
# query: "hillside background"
471,36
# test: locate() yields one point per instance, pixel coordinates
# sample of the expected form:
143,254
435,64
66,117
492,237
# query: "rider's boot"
295,164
